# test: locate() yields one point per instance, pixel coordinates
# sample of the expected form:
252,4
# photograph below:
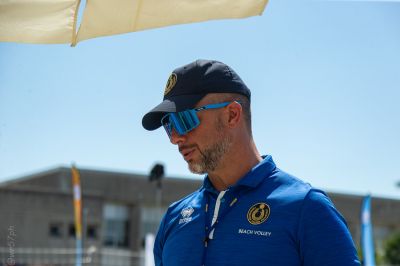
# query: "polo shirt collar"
253,178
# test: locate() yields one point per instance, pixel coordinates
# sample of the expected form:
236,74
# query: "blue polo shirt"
267,218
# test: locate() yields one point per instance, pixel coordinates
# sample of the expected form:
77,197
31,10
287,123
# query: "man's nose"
176,138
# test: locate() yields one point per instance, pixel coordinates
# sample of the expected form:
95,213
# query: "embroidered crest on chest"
186,214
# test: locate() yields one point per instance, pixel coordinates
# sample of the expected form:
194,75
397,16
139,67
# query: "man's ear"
235,112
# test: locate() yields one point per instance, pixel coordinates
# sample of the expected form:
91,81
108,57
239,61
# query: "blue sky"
324,76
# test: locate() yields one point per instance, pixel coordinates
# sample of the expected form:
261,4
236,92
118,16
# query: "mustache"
184,147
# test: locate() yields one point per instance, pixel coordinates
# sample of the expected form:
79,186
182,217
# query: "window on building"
55,230
71,230
91,231
150,220
116,225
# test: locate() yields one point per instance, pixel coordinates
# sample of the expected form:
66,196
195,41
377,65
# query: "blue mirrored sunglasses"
187,120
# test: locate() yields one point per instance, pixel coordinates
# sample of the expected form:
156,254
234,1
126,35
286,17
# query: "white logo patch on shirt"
186,215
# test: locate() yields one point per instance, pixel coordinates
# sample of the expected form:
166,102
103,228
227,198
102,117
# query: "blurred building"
119,209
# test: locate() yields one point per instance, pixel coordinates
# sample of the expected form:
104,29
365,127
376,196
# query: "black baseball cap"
188,84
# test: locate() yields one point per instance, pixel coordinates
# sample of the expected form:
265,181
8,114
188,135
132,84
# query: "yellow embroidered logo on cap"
170,83
258,213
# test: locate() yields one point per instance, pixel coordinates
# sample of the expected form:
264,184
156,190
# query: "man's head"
204,103
188,84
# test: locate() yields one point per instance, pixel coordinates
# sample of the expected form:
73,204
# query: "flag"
367,239
77,194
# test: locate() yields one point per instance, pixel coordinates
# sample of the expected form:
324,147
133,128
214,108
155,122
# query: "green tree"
392,250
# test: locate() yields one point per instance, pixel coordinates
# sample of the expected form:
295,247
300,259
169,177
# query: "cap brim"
152,120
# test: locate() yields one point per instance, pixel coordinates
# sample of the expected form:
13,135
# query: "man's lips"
186,152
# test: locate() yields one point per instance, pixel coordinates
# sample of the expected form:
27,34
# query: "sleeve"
159,243
324,238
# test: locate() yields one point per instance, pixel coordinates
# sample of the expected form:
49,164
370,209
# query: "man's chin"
196,168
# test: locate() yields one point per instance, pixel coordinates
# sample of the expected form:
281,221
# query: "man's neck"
234,166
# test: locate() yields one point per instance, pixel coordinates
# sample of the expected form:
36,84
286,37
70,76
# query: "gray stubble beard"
212,156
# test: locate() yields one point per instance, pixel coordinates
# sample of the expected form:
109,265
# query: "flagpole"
367,238
76,184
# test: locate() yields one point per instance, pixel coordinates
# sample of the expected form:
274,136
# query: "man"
248,212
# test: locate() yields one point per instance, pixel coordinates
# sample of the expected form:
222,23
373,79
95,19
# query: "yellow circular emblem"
258,213
170,83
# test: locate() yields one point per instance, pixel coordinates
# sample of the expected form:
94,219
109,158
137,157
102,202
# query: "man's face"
204,147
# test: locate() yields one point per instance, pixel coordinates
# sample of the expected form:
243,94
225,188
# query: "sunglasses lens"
182,122
189,120
166,122
185,121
